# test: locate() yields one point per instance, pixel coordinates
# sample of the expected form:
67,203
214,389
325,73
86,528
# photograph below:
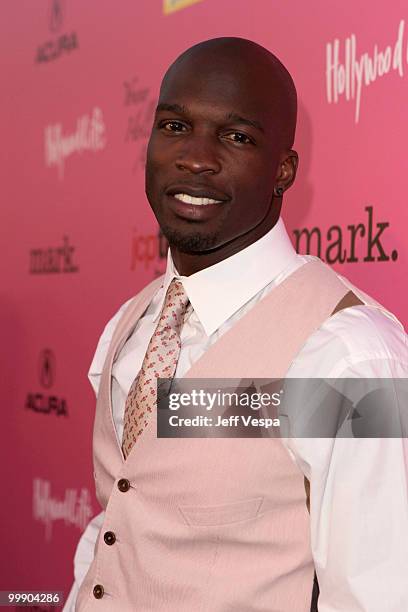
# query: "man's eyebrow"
175,108
182,110
239,119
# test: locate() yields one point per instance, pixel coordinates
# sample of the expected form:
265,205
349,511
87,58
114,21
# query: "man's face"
214,136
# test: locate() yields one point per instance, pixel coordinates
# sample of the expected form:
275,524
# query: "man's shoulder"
366,342
369,329
377,309
362,333
360,341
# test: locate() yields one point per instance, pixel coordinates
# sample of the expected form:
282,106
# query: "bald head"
219,156
256,71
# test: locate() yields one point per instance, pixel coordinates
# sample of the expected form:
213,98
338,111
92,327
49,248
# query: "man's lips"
193,212
198,191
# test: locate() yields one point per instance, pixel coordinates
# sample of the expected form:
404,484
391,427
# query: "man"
222,524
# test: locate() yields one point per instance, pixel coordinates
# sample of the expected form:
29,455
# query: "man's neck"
190,263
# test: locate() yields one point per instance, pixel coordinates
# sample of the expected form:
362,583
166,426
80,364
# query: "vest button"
109,538
123,485
98,591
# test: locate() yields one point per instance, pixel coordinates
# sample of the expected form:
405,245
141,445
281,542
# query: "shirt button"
98,591
123,485
109,538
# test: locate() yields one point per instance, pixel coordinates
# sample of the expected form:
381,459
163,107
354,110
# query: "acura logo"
56,15
46,368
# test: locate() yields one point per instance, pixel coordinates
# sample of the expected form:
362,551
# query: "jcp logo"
147,249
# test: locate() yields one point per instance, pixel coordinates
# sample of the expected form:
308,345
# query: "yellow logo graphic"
169,6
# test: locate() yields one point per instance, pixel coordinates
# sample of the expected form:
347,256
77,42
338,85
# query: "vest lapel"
264,342
122,332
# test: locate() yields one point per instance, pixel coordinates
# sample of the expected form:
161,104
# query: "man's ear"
287,168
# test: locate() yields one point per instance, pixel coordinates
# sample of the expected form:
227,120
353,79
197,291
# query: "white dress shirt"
359,505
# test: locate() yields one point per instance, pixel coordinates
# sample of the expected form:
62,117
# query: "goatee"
190,243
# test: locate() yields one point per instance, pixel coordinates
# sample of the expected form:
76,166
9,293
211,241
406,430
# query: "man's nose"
199,155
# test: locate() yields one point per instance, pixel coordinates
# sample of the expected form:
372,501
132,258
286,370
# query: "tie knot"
177,292
175,303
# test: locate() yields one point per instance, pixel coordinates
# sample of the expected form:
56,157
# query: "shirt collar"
218,291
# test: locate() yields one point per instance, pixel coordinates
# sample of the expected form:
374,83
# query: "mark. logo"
358,242
56,15
46,368
53,260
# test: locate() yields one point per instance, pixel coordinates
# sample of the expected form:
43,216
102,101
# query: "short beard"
190,243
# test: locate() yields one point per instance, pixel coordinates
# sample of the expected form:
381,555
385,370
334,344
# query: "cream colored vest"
210,524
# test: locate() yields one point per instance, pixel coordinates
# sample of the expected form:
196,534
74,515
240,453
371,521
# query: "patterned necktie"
160,361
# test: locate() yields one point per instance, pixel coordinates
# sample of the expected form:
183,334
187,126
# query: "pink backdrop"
79,85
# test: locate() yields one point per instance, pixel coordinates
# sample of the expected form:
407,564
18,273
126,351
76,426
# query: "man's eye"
241,138
172,123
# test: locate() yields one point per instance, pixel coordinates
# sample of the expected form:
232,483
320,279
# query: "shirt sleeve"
359,510
83,558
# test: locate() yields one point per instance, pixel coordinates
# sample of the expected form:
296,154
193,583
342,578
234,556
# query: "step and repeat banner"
80,80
